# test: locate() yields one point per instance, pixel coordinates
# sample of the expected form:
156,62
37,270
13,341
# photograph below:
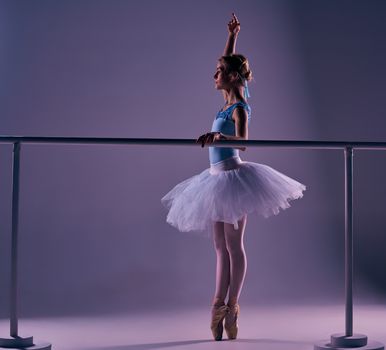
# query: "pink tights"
231,261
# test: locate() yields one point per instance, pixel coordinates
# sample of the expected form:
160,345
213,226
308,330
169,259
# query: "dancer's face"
222,79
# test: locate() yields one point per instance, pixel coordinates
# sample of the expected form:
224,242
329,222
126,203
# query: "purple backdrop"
93,234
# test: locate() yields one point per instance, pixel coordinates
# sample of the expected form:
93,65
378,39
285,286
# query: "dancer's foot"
231,326
219,311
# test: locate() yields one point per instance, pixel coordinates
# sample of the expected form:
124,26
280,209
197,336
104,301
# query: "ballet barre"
345,340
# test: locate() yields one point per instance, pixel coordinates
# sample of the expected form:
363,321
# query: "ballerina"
218,200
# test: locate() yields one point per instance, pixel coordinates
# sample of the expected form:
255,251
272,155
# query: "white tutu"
226,192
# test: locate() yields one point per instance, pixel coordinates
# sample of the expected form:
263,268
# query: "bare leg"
238,259
223,264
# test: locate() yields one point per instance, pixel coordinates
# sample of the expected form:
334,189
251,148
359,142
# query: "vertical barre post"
15,340
14,255
349,239
348,340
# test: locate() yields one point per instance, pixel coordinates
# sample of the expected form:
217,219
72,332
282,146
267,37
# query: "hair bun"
238,63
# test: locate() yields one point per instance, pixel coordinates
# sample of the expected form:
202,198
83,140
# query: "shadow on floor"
149,346
277,344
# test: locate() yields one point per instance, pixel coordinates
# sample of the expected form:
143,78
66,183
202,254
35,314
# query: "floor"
268,328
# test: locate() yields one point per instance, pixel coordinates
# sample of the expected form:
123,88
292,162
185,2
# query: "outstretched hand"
234,25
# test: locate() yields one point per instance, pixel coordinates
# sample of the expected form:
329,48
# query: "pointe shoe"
230,325
218,315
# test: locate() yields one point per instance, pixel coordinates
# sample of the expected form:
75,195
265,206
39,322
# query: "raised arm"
233,31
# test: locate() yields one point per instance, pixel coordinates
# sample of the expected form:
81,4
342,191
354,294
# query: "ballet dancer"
217,200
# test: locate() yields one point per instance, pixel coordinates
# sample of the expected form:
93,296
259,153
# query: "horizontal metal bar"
192,142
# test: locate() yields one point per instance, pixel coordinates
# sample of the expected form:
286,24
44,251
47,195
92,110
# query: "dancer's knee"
236,250
220,247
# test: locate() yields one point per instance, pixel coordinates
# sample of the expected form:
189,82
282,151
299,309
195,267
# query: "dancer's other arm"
233,31
240,117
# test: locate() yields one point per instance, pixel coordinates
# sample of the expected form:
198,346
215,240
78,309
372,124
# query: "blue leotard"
225,124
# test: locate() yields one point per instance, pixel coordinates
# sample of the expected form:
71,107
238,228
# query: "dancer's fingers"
201,137
203,140
208,138
236,20
214,136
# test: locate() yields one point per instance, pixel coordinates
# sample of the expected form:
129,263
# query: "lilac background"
93,236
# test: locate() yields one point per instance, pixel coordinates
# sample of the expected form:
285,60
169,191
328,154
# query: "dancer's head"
232,72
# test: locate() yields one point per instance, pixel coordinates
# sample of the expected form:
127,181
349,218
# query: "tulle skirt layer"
226,192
